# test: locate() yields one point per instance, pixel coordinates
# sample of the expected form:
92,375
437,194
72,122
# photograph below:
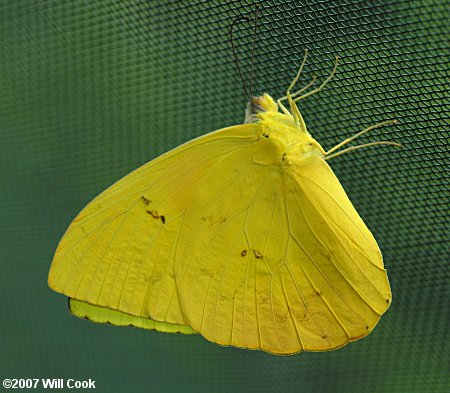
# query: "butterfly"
243,235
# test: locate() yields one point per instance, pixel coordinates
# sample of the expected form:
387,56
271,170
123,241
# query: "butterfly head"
257,105
282,127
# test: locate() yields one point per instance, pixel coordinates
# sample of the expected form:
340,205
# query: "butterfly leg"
328,154
283,108
294,81
322,85
295,113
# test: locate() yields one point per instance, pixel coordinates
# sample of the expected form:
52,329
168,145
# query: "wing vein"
332,259
292,316
343,210
319,269
295,283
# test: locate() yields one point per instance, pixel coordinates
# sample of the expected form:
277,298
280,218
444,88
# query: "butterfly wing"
276,258
106,315
222,237
118,252
342,265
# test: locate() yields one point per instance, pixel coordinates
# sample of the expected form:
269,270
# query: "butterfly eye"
256,108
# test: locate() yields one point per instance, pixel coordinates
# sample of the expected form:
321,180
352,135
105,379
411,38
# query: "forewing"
118,252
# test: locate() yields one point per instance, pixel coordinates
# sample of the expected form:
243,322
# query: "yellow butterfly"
243,235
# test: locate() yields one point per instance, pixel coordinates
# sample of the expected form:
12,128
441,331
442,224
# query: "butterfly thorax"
296,140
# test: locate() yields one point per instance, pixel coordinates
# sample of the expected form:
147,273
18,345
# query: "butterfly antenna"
233,48
255,29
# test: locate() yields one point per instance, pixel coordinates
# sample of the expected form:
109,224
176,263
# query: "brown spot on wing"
152,212
145,200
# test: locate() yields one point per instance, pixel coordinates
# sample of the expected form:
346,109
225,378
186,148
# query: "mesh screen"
92,89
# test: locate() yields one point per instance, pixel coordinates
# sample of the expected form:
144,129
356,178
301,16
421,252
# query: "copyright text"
48,383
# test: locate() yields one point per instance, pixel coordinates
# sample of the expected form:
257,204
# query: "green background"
90,90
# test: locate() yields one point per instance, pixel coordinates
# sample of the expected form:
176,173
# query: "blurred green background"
90,90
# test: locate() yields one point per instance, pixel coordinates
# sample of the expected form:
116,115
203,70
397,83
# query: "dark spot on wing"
211,220
244,253
263,296
155,280
223,297
387,301
204,272
152,212
145,200
281,318
258,255
302,317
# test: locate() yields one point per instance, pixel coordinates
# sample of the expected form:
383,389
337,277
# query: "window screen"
92,89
